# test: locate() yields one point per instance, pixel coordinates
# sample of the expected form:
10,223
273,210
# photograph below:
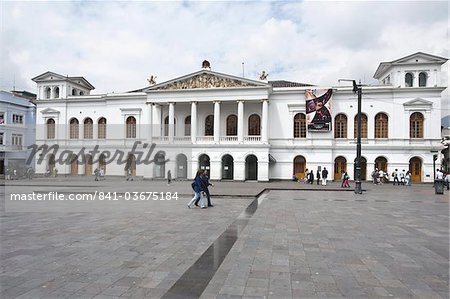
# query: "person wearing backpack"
197,186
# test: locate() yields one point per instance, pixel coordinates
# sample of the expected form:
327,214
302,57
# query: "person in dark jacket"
197,186
324,176
311,177
318,176
206,184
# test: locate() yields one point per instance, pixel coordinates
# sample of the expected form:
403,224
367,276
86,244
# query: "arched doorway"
363,169
131,164
227,167
102,163
51,163
203,163
381,163
415,166
251,168
299,167
340,166
159,167
181,166
73,165
88,165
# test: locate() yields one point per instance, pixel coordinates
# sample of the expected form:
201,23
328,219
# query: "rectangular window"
17,141
1,138
17,119
2,118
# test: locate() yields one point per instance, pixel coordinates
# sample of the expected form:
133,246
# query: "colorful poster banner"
318,109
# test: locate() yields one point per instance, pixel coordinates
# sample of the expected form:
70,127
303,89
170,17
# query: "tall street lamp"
357,89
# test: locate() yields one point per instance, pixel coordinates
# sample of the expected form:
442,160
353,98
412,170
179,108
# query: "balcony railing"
228,139
252,139
205,139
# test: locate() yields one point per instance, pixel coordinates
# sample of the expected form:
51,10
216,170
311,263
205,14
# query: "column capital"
240,101
216,101
171,103
194,102
264,100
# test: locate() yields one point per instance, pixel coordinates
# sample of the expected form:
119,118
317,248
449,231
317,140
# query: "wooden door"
74,166
299,167
415,166
88,166
340,165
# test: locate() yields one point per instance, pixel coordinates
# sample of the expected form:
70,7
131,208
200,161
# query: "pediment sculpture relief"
205,81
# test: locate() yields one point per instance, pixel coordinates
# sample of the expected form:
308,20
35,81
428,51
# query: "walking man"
324,176
395,176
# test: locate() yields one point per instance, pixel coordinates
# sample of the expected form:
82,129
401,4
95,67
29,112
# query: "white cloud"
117,45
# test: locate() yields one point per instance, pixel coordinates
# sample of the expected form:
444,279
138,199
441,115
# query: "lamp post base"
358,189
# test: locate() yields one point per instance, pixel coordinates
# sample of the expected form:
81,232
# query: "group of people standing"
321,176
200,187
399,177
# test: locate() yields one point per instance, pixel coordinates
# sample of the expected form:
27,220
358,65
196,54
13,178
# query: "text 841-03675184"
138,196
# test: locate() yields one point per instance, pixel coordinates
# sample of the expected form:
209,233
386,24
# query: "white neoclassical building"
242,129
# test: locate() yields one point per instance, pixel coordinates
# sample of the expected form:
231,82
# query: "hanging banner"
318,109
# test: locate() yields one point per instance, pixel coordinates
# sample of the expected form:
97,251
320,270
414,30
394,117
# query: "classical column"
171,121
415,79
150,121
216,121
265,121
240,121
193,122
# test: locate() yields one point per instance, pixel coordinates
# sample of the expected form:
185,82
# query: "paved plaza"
293,241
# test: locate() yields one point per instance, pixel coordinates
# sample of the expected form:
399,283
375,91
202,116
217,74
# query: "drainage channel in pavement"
194,281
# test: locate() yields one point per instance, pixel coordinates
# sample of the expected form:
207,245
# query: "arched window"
423,79
74,92
416,125
81,93
50,128
232,125
209,125
101,128
48,93
56,92
381,125
340,126
74,131
187,126
300,125
254,125
408,80
131,127
363,126
88,128
166,126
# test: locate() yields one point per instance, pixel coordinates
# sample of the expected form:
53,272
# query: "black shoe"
196,205
210,205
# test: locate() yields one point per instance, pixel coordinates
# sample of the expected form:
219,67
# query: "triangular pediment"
418,102
416,58
51,76
420,57
206,79
49,111
48,76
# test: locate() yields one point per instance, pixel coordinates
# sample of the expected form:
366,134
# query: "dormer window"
422,79
408,80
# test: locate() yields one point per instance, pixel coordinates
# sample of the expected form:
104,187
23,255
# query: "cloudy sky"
117,45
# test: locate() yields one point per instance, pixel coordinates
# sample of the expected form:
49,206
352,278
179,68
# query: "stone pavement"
390,242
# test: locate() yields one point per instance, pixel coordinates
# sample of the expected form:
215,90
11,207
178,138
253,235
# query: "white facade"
251,133
17,132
